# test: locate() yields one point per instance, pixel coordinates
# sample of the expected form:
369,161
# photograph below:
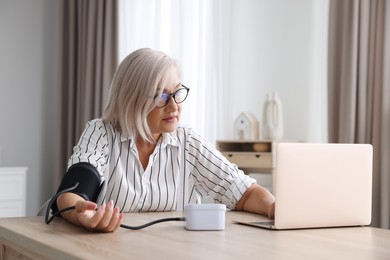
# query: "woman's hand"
105,218
271,211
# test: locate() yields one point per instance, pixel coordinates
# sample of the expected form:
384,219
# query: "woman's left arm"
258,200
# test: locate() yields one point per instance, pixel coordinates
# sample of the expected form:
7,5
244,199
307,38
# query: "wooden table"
30,237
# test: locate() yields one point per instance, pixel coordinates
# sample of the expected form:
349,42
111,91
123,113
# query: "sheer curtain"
191,32
359,83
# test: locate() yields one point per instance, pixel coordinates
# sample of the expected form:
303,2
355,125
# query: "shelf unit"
13,191
251,156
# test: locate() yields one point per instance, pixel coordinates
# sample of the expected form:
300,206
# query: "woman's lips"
170,119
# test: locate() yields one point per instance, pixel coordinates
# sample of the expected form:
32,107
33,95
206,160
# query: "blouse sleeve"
92,147
213,174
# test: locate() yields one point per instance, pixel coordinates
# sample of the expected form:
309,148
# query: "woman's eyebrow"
177,86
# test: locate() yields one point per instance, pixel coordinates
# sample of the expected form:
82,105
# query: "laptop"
320,185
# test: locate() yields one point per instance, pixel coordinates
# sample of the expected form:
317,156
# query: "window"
191,33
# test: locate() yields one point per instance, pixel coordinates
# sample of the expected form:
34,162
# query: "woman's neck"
145,149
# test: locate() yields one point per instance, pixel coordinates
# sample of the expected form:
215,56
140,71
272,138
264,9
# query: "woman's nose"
171,104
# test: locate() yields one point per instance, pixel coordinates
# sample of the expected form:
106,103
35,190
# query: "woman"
144,160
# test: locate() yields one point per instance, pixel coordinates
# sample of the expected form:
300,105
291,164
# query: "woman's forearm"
258,200
67,200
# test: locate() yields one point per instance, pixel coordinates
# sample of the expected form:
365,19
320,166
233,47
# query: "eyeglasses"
178,96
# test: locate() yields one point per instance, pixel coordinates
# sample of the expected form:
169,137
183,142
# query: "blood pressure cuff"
89,182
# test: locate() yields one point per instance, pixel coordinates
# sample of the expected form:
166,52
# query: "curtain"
191,32
87,61
358,87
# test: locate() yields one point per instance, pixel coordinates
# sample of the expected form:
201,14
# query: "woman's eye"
164,96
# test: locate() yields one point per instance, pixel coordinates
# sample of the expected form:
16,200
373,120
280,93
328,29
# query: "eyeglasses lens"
163,100
180,95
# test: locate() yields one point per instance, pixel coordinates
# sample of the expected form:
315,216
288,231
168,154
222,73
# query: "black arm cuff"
89,182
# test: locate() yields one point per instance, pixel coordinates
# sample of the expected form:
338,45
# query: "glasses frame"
174,96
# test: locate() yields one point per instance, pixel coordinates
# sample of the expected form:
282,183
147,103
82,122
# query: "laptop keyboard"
271,223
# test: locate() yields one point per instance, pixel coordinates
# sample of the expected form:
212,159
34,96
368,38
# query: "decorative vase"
272,117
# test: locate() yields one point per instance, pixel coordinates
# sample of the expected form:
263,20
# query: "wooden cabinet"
255,156
249,155
13,191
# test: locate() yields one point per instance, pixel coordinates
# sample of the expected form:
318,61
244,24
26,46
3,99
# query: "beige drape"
358,69
87,61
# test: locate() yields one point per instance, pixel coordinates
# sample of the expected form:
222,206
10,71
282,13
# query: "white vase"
265,131
273,117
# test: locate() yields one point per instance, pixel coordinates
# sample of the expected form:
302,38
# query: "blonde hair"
136,81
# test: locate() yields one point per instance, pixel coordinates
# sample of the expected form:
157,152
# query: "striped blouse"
183,168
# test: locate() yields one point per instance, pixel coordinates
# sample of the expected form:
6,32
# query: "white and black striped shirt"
183,168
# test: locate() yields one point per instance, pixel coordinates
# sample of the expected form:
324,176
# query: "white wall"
279,46
28,33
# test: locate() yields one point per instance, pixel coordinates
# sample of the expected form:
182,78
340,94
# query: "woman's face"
166,119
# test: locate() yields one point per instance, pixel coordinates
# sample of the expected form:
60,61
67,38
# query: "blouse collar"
166,139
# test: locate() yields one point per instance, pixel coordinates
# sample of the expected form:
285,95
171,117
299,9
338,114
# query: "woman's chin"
170,128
